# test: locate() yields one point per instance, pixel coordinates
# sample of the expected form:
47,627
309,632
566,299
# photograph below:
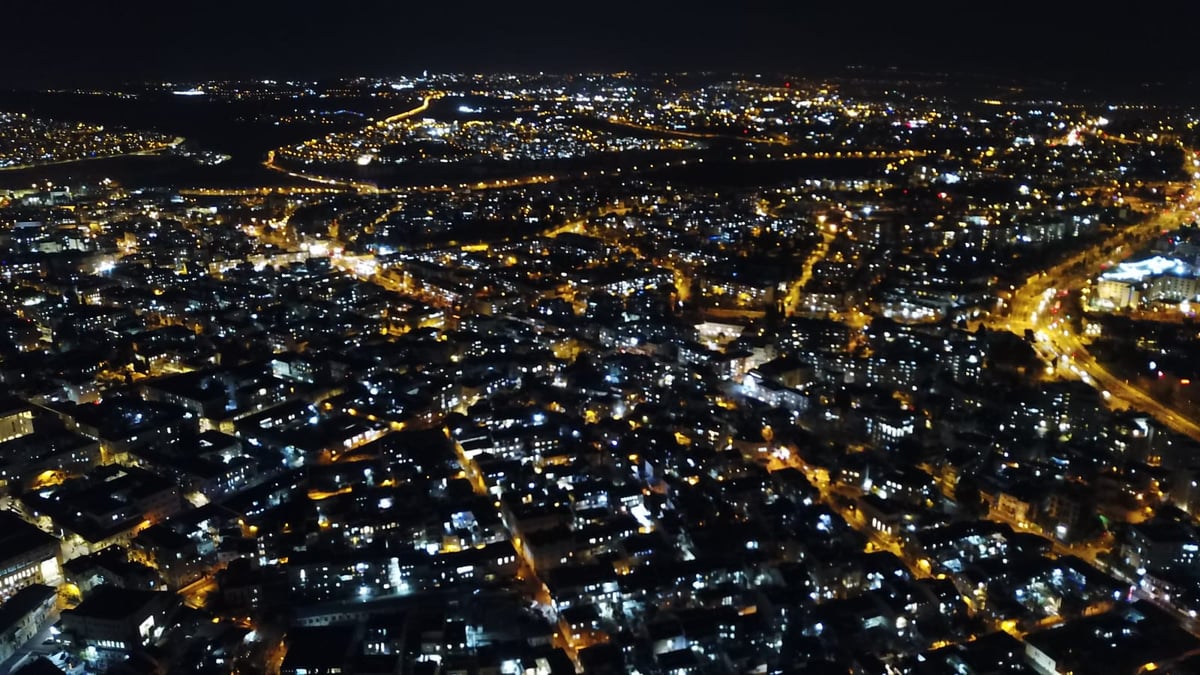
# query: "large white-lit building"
1116,294
1157,279
15,421
28,556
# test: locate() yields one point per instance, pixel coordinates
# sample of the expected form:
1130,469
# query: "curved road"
1057,343
354,185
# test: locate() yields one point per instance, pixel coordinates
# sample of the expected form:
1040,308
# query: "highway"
425,102
1033,307
259,191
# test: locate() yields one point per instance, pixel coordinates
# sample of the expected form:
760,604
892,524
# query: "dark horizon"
107,43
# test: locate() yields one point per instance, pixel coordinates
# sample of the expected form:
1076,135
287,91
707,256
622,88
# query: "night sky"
102,42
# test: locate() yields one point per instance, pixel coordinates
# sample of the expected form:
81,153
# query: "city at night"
370,339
